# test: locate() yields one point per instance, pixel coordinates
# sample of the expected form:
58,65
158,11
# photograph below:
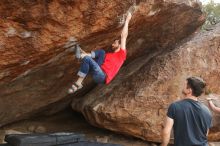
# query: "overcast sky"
205,1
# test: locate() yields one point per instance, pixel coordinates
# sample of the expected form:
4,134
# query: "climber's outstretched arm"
124,33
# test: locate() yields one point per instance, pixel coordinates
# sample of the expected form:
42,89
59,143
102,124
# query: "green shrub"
212,11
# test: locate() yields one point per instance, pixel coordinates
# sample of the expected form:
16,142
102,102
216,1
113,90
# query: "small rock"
214,144
2,136
104,139
11,131
26,34
11,32
25,62
31,128
59,75
40,129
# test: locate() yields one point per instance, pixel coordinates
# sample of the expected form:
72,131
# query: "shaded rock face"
136,102
36,70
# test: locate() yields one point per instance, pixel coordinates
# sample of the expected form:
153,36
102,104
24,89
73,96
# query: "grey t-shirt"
192,120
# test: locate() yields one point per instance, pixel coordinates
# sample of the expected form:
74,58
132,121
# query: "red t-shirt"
112,64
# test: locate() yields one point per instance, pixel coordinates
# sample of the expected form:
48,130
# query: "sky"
205,1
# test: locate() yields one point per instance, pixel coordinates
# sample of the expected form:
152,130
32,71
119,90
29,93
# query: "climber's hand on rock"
128,16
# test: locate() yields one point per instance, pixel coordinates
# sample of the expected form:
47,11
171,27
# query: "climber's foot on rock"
75,87
78,51
71,43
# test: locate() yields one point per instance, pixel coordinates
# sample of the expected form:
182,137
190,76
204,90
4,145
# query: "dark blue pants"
93,64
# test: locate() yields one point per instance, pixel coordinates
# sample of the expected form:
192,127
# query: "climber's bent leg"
99,56
88,64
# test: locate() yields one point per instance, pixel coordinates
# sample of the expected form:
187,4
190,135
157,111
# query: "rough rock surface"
36,70
135,103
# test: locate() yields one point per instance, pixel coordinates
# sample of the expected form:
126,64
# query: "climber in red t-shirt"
103,66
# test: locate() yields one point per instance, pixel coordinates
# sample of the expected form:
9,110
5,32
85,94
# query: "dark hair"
197,85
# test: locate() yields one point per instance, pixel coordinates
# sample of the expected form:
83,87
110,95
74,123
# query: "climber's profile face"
115,44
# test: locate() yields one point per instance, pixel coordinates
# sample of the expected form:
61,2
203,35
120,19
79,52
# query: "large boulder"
36,70
136,102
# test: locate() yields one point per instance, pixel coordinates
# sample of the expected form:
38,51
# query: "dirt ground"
68,121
